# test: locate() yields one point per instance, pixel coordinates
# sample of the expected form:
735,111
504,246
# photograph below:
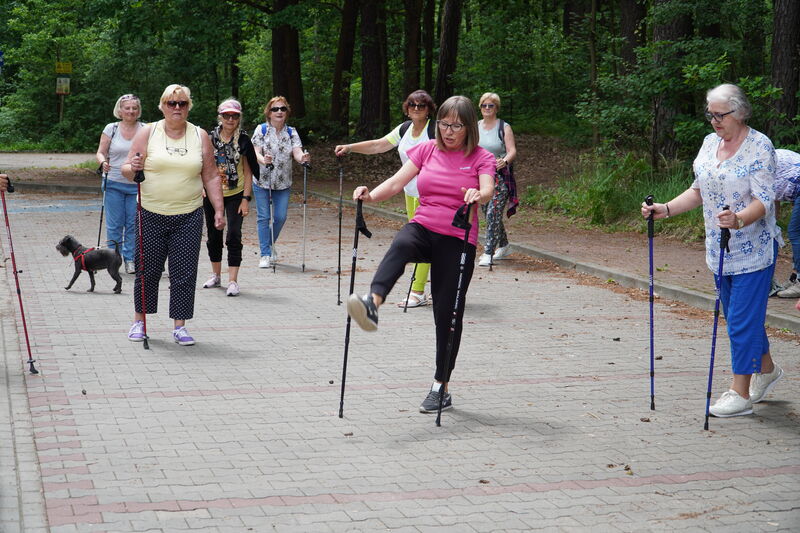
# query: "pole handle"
725,234
10,187
139,176
650,229
361,224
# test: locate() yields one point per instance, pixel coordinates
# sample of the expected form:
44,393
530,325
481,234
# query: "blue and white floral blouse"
747,176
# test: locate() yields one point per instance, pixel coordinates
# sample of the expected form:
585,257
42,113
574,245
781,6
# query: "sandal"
414,300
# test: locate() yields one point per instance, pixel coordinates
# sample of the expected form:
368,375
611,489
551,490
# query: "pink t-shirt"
441,175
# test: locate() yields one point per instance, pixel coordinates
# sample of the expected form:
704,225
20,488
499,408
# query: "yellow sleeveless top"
172,184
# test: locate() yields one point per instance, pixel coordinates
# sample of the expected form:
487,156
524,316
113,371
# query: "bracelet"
667,206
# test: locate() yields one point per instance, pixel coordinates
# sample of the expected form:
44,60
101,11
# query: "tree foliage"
634,71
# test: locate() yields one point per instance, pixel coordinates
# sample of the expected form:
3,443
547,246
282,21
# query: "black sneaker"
363,310
431,402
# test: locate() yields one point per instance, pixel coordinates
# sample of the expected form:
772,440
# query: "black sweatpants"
416,244
233,227
173,237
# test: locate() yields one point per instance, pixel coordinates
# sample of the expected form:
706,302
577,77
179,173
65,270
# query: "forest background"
625,78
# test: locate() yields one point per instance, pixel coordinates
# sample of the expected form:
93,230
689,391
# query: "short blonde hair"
493,97
272,102
126,98
464,109
172,90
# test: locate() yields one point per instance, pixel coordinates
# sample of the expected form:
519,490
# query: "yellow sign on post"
63,67
62,85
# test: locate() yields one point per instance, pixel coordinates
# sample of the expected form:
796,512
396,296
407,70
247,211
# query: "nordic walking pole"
410,285
649,201
339,267
306,168
461,220
725,236
270,168
138,178
103,205
361,227
31,360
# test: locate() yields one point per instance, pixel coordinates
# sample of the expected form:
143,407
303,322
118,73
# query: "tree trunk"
411,66
574,12
237,52
752,60
593,64
384,117
786,59
631,26
342,72
371,71
428,30
286,78
448,50
666,106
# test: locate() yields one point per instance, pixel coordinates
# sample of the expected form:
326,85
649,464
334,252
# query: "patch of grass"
24,146
608,190
90,164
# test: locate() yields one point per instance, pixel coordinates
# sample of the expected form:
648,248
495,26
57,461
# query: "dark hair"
420,97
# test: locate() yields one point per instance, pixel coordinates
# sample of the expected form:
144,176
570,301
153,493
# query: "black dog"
91,260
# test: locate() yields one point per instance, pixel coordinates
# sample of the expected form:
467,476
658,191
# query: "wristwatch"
247,197
739,222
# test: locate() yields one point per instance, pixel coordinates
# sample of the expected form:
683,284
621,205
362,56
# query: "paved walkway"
551,427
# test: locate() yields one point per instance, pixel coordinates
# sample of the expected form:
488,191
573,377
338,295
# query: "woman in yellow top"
235,157
178,162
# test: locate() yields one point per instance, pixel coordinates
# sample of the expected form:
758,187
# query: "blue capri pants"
744,303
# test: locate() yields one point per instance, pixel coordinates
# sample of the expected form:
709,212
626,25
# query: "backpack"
264,130
431,128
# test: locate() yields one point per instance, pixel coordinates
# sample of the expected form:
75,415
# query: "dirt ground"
541,161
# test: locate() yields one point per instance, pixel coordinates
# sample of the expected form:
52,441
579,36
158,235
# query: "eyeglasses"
177,103
455,127
171,150
413,105
717,116
231,116
487,106
281,108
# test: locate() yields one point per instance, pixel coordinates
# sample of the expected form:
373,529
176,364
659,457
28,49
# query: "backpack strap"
501,131
264,129
404,127
289,131
431,128
114,130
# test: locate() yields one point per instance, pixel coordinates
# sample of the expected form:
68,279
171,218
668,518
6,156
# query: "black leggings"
233,226
416,244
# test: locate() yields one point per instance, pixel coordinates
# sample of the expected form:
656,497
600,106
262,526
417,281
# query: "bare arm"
135,162
686,201
511,145
211,180
300,155
102,151
391,186
375,146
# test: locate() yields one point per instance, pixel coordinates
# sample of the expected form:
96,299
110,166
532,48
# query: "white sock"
436,386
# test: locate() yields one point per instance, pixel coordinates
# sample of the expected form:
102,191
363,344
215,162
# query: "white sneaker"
761,384
274,255
264,262
233,289
130,267
501,252
212,282
792,291
731,404
485,260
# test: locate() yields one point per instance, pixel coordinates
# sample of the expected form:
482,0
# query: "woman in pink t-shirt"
451,171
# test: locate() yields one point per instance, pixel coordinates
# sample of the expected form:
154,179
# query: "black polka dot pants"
173,238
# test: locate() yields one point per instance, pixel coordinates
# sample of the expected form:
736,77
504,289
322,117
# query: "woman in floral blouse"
736,167
276,143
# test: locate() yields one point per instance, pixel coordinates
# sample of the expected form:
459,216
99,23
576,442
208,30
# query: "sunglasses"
487,106
231,116
412,105
177,103
281,108
128,97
